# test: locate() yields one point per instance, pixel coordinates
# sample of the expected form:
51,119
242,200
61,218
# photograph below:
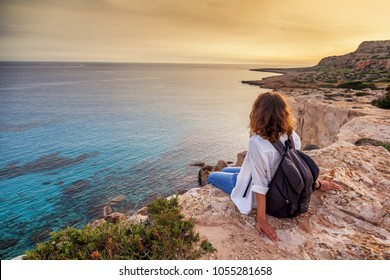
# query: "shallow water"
75,135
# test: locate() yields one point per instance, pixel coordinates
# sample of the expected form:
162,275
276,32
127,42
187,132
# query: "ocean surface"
73,136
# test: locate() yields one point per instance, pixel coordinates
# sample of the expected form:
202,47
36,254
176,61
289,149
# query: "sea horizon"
249,65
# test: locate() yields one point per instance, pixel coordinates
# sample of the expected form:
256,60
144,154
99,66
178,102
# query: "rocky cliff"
353,223
369,65
369,55
323,115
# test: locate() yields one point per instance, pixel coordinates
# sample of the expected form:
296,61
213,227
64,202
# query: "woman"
270,120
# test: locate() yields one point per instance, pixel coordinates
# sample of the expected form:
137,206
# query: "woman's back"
257,170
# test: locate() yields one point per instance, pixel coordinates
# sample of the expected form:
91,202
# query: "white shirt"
260,164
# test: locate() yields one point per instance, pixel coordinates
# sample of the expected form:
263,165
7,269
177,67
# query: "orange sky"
269,32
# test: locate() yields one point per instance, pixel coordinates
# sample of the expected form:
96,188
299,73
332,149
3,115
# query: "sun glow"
210,31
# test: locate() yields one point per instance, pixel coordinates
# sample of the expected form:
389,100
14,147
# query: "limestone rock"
96,223
220,165
117,199
206,169
137,218
240,158
107,210
319,122
115,217
204,174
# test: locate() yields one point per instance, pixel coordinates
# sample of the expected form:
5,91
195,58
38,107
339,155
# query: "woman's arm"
325,185
262,225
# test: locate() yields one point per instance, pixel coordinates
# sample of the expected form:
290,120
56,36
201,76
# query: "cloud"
188,31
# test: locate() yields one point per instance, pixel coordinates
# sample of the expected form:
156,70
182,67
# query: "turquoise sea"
75,135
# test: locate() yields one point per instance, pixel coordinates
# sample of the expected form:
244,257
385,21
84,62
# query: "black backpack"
293,183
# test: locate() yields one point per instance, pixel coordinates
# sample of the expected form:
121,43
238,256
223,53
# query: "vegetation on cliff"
372,142
370,55
368,66
166,235
357,85
384,101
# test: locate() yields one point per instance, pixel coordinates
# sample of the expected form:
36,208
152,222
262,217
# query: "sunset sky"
267,32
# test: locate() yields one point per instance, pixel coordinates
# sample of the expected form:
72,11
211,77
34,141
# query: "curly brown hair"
271,116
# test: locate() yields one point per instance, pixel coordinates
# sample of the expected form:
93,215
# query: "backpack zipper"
282,195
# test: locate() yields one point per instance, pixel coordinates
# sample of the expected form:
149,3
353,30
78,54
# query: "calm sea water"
75,135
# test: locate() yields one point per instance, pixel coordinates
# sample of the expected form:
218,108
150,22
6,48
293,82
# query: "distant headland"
369,63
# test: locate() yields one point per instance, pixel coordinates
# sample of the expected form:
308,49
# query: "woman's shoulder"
265,145
258,138
261,143
295,135
297,140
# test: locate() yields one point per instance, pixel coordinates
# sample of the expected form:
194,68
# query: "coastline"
280,70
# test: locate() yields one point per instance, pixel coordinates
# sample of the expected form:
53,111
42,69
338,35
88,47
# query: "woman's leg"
231,169
222,180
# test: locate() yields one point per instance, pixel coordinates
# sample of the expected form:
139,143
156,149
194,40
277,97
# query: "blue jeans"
225,180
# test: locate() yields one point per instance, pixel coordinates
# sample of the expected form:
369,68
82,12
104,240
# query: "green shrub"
328,85
165,235
357,85
310,147
383,102
330,97
372,142
361,93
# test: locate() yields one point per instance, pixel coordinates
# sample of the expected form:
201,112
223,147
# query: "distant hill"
368,66
369,55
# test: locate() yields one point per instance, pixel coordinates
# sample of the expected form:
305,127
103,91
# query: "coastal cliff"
373,55
353,223
370,63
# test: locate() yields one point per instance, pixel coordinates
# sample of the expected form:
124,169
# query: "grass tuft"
384,101
372,142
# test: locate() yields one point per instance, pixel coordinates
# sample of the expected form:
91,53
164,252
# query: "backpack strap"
279,147
282,149
291,141
247,187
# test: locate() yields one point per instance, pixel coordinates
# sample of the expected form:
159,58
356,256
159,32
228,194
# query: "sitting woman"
270,120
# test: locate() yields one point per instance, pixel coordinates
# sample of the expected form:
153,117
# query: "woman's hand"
326,185
263,226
